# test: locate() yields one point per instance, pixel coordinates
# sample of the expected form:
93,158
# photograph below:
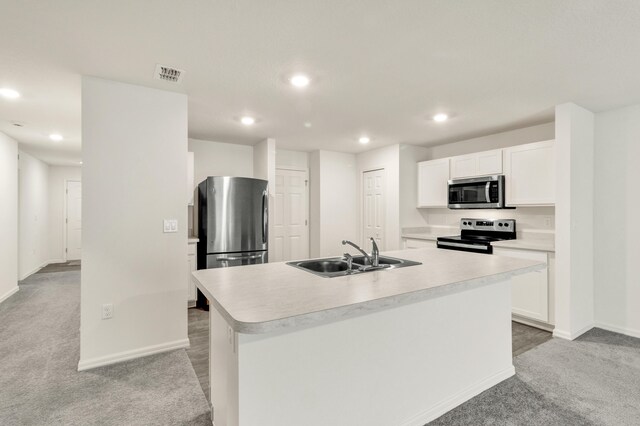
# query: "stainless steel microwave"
485,192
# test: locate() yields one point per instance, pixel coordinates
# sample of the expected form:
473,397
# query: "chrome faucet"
375,253
374,258
349,259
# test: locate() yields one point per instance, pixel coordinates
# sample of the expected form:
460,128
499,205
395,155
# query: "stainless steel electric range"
477,234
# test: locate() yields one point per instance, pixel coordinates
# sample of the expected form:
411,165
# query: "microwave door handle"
487,192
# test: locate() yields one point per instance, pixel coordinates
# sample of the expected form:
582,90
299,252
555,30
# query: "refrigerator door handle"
265,199
230,258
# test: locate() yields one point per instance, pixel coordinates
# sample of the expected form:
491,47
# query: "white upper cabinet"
477,164
530,174
190,178
432,183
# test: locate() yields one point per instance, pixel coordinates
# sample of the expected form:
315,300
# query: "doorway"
290,216
73,220
373,207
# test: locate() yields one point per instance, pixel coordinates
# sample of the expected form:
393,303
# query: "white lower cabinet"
530,292
413,243
192,266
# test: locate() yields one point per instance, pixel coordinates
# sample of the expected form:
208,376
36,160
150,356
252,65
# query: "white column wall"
33,215
135,167
574,293
333,202
617,236
264,167
8,216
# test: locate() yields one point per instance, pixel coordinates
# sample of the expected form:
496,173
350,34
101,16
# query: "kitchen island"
389,347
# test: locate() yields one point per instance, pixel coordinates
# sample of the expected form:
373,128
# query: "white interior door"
373,207
289,217
74,220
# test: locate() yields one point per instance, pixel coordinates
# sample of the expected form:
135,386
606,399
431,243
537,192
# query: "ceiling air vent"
172,75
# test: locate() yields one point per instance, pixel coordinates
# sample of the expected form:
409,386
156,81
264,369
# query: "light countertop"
193,240
274,296
537,244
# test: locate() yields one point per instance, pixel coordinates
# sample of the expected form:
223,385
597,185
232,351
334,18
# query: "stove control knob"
500,224
506,224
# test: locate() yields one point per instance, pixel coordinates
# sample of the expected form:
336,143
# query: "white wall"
387,158
292,160
574,293
33,215
135,168
616,234
333,202
537,133
220,159
8,216
58,176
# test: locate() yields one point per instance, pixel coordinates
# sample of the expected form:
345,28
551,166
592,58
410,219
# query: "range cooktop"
477,234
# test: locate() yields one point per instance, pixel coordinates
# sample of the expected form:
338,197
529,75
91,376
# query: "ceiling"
380,68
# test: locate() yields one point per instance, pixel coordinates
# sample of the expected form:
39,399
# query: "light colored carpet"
594,380
39,384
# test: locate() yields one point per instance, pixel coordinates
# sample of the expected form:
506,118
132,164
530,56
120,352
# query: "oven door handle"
487,192
462,245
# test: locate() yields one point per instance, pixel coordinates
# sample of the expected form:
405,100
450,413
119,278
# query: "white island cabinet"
391,347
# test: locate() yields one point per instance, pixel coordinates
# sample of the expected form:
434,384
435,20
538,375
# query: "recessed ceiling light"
80,162
440,117
247,121
300,80
9,93
364,140
307,124
55,137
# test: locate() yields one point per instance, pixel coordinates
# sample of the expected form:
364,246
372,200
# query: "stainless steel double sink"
331,267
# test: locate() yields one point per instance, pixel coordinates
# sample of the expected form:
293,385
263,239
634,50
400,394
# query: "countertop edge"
357,309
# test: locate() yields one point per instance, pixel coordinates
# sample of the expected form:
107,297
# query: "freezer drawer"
224,260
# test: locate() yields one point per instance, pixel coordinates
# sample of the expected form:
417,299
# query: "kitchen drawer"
191,249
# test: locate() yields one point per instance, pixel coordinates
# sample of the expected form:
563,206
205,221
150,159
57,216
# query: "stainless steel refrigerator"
233,222
233,215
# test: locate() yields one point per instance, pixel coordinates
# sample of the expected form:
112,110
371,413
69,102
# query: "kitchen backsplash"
540,219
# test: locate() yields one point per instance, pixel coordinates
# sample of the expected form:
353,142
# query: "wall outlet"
170,225
107,311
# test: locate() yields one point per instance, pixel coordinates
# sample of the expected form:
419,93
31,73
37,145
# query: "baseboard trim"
572,336
101,361
532,323
622,330
9,294
28,274
459,398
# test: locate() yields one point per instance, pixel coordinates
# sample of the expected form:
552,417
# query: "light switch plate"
170,225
